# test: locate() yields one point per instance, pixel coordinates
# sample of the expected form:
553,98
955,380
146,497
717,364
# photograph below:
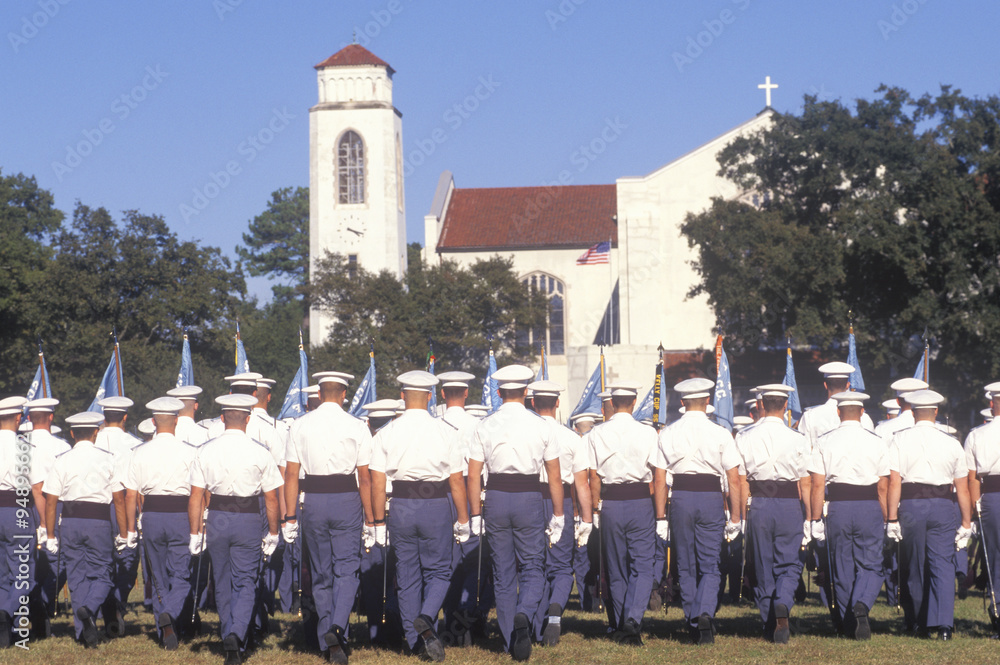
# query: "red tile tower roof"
529,217
354,55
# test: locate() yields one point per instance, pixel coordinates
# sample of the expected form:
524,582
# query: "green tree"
277,245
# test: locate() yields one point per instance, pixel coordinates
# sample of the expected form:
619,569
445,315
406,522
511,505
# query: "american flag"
599,253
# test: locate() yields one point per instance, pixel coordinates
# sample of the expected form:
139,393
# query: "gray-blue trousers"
558,566
17,558
630,540
697,523
87,548
165,537
927,561
854,532
233,540
775,536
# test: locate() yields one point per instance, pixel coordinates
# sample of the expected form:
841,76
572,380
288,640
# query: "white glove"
733,529
663,530
132,539
290,531
197,544
806,534
461,531
582,533
476,525
204,515
962,538
893,531
269,544
555,528
41,535
368,538
138,522
381,534
52,546
120,543
597,520
818,530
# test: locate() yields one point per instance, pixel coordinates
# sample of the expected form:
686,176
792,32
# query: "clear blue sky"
199,77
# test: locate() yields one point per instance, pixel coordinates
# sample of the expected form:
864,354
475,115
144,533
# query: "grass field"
665,636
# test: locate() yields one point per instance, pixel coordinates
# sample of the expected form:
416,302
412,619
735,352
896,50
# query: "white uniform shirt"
463,425
514,440
49,446
850,454
191,432
622,450
773,451
86,473
925,454
261,428
161,466
233,464
116,441
10,465
887,428
982,449
328,441
694,444
574,456
818,420
416,446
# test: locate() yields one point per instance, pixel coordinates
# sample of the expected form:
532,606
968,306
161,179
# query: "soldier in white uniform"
229,475
188,430
420,456
622,456
775,468
513,444
160,473
851,464
925,465
86,479
334,450
574,463
699,454
982,451
887,428
818,420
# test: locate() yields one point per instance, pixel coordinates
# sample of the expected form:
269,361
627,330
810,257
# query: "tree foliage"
278,242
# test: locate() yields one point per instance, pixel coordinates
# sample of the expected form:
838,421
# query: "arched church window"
350,168
552,333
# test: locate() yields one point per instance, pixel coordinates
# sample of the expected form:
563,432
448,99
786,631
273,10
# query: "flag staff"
118,364
41,367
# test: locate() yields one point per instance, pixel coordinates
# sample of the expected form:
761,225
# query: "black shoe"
433,648
231,645
862,631
706,632
5,633
520,643
336,646
41,626
781,629
89,633
114,622
963,590
550,636
631,633
944,633
166,625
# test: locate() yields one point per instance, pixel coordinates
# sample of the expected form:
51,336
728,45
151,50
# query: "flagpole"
603,388
41,367
118,366
611,300
788,411
926,361
236,349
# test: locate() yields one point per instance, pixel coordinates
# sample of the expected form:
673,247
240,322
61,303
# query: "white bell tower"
356,202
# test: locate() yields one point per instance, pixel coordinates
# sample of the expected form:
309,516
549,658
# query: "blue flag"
111,385
722,400
242,364
794,403
923,367
857,381
491,393
366,391
432,403
664,398
185,377
296,398
543,369
644,409
40,384
590,401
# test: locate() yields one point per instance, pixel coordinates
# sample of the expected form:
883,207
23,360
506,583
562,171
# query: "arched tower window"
351,168
552,334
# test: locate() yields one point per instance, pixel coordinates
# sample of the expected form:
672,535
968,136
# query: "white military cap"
12,405
455,379
709,410
585,417
418,380
265,383
400,406
695,388
993,389
891,405
55,429
907,385
244,379
624,388
477,410
146,427
381,408
742,421
947,429
336,377
924,399
43,404
311,391
236,402
774,390
836,370
185,392
752,403
115,403
513,377
987,414
170,406
851,398
545,388
605,395
85,419
24,427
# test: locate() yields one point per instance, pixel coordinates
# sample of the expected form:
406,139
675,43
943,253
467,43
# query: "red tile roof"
529,217
354,55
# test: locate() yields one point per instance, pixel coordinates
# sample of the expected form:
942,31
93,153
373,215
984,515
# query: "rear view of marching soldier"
981,451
